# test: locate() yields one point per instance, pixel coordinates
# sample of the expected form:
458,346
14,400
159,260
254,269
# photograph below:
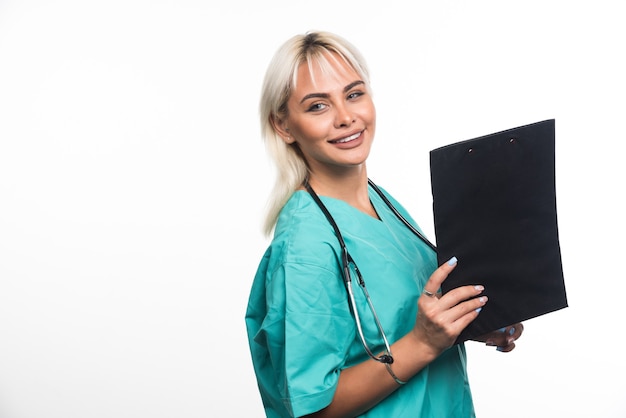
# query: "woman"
318,119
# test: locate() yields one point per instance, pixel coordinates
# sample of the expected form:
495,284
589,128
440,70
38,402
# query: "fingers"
504,338
454,296
461,314
442,318
460,294
506,348
440,327
437,278
459,307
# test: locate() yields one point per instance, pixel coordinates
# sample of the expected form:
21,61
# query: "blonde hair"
280,79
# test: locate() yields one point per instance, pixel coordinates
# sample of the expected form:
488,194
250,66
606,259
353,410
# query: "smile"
347,139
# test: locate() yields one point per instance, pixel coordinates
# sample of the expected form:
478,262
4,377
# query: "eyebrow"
325,95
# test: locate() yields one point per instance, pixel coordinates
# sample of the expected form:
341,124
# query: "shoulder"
300,212
304,254
302,234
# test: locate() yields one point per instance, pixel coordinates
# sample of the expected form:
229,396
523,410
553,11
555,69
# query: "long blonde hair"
280,79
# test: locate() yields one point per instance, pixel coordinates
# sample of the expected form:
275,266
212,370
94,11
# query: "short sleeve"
308,330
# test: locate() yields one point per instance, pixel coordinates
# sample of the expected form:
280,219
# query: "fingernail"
512,331
478,310
452,261
500,348
483,299
479,288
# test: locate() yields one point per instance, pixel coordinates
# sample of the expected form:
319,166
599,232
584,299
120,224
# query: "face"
331,117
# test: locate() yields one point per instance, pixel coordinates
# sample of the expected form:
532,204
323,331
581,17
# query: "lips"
347,138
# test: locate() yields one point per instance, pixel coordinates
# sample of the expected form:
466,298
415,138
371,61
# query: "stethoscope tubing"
399,216
346,259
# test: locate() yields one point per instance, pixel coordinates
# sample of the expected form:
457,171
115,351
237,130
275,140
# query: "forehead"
322,71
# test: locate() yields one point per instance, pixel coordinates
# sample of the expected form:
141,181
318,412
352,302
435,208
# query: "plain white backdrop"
133,181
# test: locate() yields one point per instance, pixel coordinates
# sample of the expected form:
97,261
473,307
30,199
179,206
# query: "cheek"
372,116
368,112
369,117
370,121
311,130
373,111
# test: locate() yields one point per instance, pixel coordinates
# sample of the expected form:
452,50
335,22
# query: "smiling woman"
331,121
313,353
322,56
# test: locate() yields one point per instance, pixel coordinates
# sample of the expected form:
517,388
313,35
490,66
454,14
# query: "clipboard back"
494,206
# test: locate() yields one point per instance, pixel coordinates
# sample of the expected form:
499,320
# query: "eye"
316,107
355,95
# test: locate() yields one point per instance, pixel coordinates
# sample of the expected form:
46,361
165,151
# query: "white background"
133,181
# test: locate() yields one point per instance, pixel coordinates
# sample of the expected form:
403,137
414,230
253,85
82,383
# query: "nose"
343,117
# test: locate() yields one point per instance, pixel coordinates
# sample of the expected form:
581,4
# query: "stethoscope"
346,260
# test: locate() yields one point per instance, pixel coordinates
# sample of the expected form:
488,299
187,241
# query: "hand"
440,319
504,338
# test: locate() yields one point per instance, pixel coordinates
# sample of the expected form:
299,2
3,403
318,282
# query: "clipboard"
494,207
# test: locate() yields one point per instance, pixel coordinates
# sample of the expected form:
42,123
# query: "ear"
281,128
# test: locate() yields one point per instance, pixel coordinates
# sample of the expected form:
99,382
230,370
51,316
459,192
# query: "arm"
439,321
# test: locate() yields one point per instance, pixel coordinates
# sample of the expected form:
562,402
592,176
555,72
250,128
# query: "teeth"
350,138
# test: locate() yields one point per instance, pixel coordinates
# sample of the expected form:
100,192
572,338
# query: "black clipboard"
494,206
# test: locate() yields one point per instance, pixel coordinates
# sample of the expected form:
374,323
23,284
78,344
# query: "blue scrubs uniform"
300,328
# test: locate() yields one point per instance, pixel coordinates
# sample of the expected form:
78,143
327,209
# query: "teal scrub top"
300,328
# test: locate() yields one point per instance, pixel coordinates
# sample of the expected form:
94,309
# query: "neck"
351,188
